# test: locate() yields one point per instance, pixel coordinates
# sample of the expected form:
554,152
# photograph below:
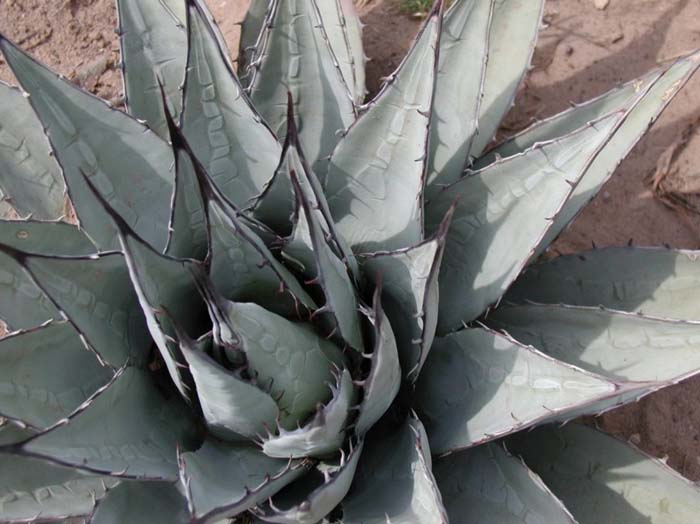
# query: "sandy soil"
583,51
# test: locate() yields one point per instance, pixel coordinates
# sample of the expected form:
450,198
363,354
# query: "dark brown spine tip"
292,131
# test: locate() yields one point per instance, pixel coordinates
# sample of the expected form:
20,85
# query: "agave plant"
283,305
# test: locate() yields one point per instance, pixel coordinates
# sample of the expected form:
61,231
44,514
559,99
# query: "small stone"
568,50
606,196
601,4
617,37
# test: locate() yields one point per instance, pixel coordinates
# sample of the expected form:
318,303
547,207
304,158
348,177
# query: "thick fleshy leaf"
129,429
166,289
153,42
29,177
384,378
280,207
639,353
325,433
411,294
275,206
226,134
22,304
232,407
128,163
164,284
502,213
341,304
334,486
623,346
46,373
458,96
394,482
511,43
294,56
188,229
251,30
656,282
642,101
478,385
344,32
94,294
381,162
141,503
487,485
32,490
244,269
288,358
601,479
241,266
224,480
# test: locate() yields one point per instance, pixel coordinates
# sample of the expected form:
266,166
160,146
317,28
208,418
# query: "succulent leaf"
219,122
166,288
581,464
503,212
641,102
487,485
45,374
411,294
458,96
325,433
244,269
251,31
472,374
280,204
93,293
32,490
511,44
655,282
128,163
622,346
232,407
294,56
188,230
249,402
153,42
236,242
341,303
29,177
381,162
128,430
383,381
289,359
141,503
344,31
164,284
22,304
319,502
394,482
222,480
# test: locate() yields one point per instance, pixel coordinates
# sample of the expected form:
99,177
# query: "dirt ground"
583,51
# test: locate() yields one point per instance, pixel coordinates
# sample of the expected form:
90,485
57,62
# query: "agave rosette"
282,305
